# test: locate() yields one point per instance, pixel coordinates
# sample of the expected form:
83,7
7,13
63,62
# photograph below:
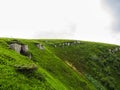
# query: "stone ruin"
20,48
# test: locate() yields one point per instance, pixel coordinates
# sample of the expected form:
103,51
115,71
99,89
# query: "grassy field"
61,65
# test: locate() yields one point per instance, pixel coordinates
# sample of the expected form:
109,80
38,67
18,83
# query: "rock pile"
114,50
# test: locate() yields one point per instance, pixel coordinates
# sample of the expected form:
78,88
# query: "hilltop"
58,65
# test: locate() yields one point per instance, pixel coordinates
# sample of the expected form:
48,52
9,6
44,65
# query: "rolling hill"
28,64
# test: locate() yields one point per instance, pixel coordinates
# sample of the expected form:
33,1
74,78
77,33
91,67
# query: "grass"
44,71
93,60
80,66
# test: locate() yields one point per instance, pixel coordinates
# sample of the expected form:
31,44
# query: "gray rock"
40,46
15,47
24,48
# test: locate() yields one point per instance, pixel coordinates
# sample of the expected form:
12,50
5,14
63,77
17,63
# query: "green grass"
93,60
89,66
45,71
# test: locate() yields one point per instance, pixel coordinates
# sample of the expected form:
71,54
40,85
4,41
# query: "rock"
15,47
40,46
24,48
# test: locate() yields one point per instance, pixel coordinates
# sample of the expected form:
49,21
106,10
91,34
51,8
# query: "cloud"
114,7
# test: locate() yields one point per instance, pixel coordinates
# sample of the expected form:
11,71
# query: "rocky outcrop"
24,49
21,48
15,47
65,44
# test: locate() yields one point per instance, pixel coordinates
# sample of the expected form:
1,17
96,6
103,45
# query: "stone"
40,46
15,47
24,48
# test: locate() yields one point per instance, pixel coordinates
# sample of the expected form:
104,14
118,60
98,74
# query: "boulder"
15,47
24,48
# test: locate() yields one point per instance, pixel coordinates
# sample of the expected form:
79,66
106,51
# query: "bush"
108,82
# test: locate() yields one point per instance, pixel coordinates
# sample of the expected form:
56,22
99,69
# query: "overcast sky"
91,20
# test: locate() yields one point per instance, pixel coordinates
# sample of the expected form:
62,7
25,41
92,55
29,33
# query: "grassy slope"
93,60
45,71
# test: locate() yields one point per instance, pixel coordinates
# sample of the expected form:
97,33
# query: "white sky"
71,19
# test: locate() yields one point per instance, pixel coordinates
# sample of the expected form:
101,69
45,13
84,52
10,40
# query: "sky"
90,20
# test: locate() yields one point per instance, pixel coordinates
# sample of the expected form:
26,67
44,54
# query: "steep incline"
98,62
42,71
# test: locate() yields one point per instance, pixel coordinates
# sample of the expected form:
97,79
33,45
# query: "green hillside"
59,65
98,62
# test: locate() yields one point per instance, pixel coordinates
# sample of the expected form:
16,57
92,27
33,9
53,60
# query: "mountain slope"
98,62
43,71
